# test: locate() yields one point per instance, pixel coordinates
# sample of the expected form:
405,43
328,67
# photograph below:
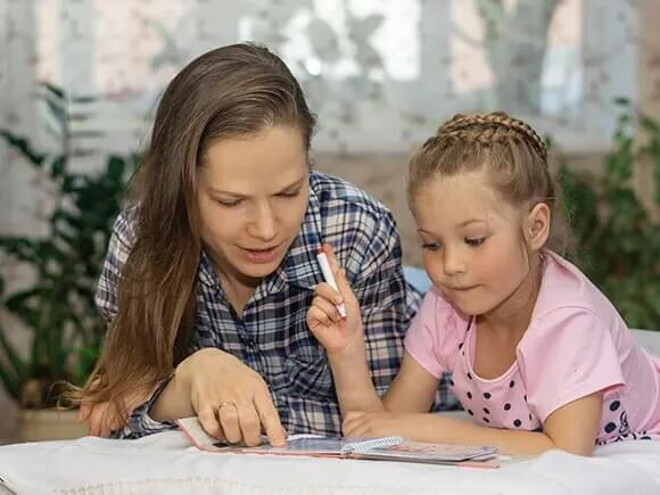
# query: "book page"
380,448
433,452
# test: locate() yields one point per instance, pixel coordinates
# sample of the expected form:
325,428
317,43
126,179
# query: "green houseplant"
617,237
58,307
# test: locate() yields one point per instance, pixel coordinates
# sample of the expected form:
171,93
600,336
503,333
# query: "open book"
392,448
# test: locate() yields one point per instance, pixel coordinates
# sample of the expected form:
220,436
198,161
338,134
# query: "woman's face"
252,195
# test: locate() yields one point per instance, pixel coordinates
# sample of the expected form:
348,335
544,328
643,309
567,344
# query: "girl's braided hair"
491,128
511,153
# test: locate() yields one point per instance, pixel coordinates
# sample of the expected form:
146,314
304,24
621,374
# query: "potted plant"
618,236
58,307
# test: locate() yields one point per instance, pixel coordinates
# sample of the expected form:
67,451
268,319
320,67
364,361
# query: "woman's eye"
475,241
431,246
228,204
289,194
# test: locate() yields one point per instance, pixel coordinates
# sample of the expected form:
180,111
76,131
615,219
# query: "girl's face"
472,241
252,196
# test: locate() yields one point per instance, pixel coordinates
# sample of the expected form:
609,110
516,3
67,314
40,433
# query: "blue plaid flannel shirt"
271,335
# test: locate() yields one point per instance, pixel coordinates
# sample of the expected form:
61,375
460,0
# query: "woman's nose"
262,225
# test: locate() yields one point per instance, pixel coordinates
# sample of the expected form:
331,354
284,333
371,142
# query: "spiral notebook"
390,448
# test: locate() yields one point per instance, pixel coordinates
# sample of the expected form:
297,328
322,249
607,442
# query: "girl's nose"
453,262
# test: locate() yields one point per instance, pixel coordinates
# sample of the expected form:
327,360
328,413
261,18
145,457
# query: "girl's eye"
475,241
431,246
228,204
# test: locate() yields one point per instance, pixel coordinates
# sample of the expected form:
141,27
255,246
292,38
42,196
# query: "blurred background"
79,81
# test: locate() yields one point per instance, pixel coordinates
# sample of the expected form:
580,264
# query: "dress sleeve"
570,354
431,334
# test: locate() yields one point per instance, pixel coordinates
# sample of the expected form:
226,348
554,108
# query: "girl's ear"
537,226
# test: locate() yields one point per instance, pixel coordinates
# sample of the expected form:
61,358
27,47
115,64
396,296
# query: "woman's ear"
537,226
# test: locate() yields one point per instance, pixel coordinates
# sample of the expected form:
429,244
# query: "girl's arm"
355,390
413,389
572,428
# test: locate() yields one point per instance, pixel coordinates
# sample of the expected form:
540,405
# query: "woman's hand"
232,401
105,417
378,424
336,334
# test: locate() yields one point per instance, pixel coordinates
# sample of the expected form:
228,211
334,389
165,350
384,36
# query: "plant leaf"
16,362
23,145
11,383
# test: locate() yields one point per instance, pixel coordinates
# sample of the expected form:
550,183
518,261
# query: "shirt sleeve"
387,302
123,237
571,354
140,424
119,247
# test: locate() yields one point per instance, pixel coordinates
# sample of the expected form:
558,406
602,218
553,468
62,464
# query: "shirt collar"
300,266
207,274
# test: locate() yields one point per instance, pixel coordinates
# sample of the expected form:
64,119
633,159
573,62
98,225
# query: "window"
381,74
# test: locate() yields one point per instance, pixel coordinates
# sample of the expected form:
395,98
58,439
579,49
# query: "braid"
489,128
509,152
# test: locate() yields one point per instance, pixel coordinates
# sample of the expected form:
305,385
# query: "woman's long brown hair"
232,91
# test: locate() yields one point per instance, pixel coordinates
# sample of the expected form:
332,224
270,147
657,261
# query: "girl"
540,358
210,272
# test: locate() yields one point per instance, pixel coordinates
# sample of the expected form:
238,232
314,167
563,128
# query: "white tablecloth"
166,464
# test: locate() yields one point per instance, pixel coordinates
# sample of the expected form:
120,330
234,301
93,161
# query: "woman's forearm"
173,402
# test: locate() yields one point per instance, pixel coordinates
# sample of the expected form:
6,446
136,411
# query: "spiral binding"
372,443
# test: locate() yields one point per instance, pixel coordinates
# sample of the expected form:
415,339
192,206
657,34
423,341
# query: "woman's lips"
263,255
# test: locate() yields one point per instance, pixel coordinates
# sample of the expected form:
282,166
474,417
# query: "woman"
210,273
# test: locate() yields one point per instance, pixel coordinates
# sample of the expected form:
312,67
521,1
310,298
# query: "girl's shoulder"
571,315
566,289
436,333
444,319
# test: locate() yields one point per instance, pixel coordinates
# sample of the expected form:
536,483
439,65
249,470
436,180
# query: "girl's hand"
336,334
378,424
231,400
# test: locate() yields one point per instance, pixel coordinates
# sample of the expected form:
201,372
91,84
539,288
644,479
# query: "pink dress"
576,344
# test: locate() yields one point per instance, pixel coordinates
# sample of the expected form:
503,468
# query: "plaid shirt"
271,335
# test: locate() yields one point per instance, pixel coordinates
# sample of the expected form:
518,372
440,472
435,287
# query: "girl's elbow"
585,450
